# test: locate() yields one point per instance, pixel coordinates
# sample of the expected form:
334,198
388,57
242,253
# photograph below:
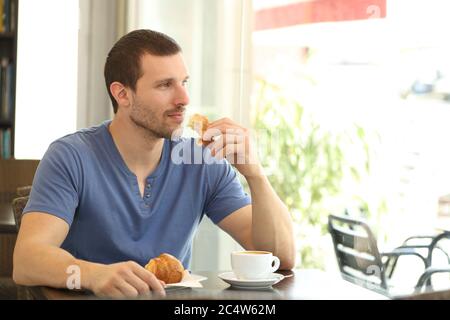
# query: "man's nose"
182,96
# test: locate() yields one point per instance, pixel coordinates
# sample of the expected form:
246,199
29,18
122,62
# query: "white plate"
230,277
189,281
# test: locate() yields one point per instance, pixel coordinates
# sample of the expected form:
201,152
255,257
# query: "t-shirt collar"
111,146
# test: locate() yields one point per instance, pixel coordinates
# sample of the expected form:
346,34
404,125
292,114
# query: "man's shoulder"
81,140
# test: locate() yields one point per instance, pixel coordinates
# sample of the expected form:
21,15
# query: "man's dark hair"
123,63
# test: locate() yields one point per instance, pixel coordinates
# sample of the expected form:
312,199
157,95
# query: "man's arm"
264,225
267,224
39,260
272,227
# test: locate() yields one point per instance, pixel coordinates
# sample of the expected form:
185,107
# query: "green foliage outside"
307,166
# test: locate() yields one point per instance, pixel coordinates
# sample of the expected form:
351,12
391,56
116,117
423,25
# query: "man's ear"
120,93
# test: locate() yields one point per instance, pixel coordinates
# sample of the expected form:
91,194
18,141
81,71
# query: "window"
46,96
390,77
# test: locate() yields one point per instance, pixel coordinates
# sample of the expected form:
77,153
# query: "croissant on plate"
166,268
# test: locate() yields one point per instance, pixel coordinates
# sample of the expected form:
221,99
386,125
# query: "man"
107,199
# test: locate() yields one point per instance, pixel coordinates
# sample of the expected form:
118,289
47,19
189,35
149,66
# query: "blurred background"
348,100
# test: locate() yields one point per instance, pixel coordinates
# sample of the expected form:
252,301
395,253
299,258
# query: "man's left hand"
233,142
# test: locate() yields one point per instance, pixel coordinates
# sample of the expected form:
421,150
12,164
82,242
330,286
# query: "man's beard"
146,119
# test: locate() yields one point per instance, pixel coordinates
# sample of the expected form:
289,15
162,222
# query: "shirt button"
147,196
149,186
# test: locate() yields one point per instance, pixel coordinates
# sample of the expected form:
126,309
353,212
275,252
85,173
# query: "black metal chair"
424,283
425,245
358,256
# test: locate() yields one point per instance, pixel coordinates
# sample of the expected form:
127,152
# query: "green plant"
306,165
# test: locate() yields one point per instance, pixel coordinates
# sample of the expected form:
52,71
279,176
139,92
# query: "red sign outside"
319,11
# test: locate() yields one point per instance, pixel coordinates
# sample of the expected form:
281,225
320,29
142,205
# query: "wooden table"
305,284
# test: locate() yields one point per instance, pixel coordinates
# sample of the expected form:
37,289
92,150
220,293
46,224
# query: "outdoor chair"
358,257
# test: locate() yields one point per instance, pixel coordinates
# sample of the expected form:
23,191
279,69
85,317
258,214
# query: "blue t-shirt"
84,180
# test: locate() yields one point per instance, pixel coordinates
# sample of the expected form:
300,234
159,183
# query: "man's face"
161,95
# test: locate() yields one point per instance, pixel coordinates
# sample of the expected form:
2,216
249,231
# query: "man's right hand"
123,280
42,234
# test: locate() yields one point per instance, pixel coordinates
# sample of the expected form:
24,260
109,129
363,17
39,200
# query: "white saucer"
230,277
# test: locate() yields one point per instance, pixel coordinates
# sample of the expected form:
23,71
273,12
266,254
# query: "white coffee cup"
253,265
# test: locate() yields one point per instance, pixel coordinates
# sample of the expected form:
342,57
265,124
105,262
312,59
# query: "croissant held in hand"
166,268
199,124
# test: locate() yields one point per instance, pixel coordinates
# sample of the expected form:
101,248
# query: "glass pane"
357,98
46,74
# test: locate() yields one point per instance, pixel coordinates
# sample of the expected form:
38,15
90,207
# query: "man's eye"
164,85
185,83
